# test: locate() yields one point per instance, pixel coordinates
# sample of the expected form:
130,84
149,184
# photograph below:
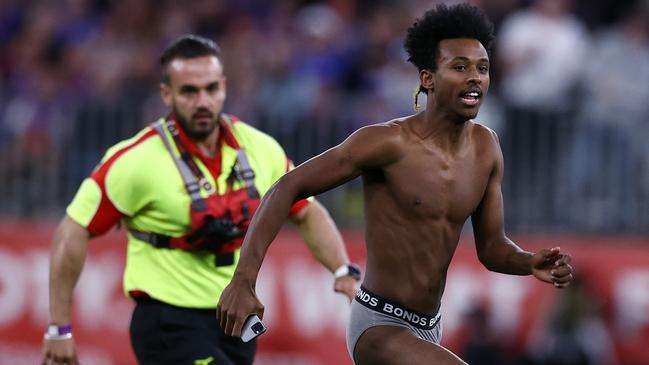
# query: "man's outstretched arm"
368,147
66,262
500,254
325,243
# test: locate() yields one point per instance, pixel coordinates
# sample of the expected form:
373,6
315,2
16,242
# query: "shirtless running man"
423,176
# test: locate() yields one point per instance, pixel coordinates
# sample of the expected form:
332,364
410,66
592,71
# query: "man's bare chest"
438,187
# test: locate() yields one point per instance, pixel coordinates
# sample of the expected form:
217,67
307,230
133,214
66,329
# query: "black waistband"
396,310
146,300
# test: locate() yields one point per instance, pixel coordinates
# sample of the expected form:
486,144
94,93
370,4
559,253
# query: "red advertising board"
305,319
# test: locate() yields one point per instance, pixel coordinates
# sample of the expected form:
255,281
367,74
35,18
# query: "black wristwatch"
348,270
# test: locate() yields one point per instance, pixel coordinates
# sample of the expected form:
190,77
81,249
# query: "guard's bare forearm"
67,257
322,236
504,256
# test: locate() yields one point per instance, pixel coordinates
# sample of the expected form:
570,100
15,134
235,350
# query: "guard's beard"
192,133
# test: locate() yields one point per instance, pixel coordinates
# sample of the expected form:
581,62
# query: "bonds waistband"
396,310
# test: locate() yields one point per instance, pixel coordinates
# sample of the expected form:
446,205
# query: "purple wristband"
54,330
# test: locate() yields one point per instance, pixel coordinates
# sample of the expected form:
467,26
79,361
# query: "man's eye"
483,69
459,68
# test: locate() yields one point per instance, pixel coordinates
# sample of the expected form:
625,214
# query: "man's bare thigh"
393,345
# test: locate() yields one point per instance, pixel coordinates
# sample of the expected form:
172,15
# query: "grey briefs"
370,310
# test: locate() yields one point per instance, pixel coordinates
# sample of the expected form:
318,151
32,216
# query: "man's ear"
427,80
165,93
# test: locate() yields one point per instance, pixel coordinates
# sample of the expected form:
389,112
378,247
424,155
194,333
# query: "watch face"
354,272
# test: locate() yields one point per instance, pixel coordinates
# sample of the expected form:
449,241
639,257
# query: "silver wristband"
51,336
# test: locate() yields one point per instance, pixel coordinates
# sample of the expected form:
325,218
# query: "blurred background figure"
606,153
574,333
542,50
482,345
77,75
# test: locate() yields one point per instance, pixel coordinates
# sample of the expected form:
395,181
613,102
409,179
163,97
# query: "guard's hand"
59,352
237,302
347,286
551,266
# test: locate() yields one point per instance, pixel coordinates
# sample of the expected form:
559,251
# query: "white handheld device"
252,328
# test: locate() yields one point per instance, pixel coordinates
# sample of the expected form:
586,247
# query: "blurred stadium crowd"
569,95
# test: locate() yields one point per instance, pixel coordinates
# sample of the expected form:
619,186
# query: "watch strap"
348,270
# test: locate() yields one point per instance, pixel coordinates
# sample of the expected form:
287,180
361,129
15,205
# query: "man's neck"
439,125
209,146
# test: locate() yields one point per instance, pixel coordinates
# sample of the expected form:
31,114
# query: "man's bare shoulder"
378,144
391,128
389,134
484,135
486,143
399,129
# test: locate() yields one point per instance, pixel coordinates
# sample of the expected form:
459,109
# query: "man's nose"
475,77
204,99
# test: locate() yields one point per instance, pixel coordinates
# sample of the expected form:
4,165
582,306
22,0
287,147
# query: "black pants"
164,334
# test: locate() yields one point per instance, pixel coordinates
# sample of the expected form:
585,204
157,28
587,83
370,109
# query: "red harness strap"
218,222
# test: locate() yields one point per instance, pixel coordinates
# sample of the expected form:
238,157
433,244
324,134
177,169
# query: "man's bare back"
416,206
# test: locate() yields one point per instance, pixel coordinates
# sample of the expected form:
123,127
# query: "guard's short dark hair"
444,22
187,46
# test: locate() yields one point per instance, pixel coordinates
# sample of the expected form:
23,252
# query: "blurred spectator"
309,73
483,346
33,120
76,75
389,83
607,156
542,50
575,332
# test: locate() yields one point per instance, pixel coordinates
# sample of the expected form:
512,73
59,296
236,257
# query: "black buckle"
225,259
159,240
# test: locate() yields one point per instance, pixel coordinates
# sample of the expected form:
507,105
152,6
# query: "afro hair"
445,22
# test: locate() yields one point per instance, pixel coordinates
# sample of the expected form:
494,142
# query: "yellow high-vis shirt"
138,184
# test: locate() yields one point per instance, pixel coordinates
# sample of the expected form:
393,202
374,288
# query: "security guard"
186,188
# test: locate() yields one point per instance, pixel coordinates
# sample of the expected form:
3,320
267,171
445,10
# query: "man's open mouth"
471,98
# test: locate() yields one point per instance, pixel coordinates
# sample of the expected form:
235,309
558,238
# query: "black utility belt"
396,310
161,241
